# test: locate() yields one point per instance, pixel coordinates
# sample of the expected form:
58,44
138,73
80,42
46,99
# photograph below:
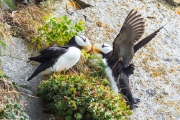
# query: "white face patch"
82,41
103,47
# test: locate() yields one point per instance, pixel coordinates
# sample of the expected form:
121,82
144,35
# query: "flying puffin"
56,59
118,59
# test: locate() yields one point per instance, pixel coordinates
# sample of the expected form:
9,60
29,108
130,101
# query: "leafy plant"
91,65
96,65
3,46
57,31
2,74
13,111
9,108
78,97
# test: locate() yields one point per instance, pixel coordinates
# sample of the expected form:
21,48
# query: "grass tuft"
27,20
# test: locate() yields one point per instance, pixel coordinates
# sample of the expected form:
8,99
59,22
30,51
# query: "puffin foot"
134,104
136,100
54,75
46,76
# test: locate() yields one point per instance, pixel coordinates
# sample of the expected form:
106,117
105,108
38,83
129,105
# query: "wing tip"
134,19
162,26
29,79
29,60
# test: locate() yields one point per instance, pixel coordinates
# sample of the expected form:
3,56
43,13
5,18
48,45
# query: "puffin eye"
84,39
103,46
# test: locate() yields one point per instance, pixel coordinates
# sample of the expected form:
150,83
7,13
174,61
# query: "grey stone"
4,5
15,66
174,2
151,92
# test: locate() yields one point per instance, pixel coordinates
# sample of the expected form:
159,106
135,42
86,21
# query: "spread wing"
48,53
123,45
146,40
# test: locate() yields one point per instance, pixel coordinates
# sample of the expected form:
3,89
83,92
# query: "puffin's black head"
104,49
80,42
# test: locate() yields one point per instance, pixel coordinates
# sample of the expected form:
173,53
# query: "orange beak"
95,48
91,50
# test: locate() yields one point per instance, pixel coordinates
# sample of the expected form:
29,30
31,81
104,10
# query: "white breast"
111,80
67,60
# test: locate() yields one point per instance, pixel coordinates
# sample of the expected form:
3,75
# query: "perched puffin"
118,59
56,59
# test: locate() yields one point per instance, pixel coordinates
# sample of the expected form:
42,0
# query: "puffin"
118,59
56,59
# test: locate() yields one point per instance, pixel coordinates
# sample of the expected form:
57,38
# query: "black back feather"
48,53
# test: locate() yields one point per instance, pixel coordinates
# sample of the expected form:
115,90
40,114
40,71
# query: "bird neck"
115,65
117,68
107,55
73,43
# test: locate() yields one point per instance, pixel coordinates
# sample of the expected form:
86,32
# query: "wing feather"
123,45
146,40
48,53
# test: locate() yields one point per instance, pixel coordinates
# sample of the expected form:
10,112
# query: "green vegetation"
2,44
57,31
96,66
12,110
9,107
10,4
2,75
82,98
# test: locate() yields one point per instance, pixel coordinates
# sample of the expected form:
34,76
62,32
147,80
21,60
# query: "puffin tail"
41,68
36,72
39,59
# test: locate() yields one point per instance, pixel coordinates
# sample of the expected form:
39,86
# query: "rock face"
7,5
174,2
156,80
14,65
4,6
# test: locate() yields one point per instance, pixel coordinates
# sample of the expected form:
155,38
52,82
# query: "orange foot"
54,75
46,76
